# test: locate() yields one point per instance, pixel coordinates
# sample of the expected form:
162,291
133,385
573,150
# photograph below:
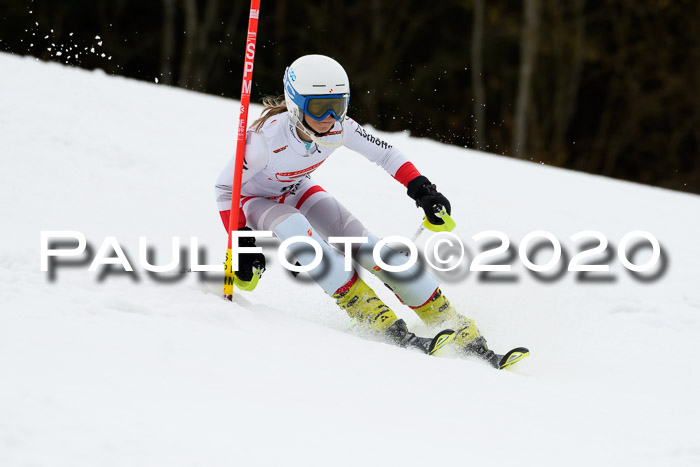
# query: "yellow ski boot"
437,312
362,304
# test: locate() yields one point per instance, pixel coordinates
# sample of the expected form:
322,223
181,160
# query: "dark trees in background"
529,39
604,86
477,83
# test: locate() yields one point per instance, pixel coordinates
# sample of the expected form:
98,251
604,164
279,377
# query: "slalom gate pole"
240,141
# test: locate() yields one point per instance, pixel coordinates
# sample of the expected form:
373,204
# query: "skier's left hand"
427,197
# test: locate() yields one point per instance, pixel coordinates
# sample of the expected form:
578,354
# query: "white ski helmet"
317,86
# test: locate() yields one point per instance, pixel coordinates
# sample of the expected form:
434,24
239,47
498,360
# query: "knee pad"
414,286
331,273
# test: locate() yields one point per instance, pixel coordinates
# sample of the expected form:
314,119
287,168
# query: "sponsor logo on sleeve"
371,138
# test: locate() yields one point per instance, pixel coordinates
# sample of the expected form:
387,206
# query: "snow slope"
129,370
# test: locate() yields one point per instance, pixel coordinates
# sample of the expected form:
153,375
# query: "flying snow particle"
97,37
92,49
156,80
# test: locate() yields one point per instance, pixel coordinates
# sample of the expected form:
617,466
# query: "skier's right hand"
427,197
248,262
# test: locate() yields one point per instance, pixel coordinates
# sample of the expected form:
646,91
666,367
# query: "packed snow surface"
128,369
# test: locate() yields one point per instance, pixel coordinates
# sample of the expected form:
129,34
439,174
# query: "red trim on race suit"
426,302
313,190
226,215
347,286
406,173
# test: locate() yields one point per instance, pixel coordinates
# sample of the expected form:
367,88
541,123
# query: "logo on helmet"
288,87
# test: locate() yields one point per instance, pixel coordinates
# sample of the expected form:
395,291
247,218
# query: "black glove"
248,262
428,198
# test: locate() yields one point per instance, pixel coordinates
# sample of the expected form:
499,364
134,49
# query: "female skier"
291,139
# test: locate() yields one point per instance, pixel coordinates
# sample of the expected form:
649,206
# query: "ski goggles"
320,107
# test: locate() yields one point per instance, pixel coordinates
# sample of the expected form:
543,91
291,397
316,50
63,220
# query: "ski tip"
513,356
441,340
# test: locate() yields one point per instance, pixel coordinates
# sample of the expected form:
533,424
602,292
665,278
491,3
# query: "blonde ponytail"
274,105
